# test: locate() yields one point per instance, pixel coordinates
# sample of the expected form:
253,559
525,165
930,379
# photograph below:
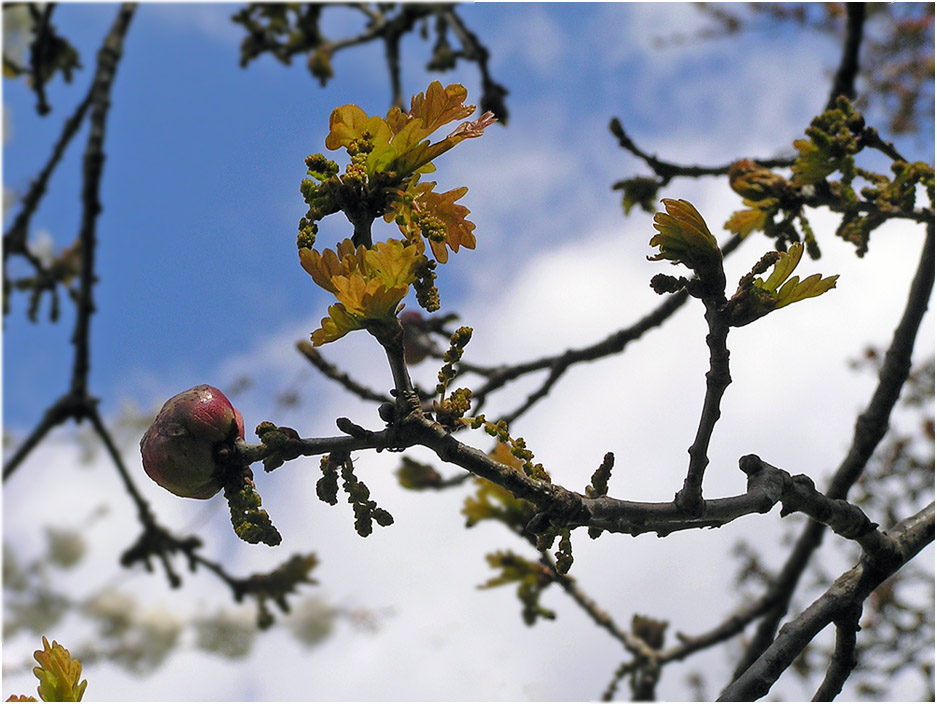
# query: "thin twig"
38,52
690,497
77,403
631,643
844,659
332,372
15,238
108,58
559,364
667,170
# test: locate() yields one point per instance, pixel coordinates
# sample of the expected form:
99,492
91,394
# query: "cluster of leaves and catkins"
58,674
774,203
387,158
684,238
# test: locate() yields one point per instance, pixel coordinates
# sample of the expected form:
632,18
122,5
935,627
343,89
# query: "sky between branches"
200,283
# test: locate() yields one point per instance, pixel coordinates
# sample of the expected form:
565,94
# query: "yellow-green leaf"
439,106
795,290
813,165
683,237
744,222
349,123
783,267
58,674
435,216
757,297
338,324
394,263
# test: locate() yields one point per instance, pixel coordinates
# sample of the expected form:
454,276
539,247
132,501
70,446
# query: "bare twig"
38,53
93,167
667,170
15,238
330,371
690,497
631,643
559,364
77,403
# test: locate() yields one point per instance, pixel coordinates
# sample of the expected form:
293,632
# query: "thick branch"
844,82
845,595
871,427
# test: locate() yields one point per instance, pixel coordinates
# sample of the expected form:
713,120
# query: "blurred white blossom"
17,33
228,633
66,547
113,610
312,620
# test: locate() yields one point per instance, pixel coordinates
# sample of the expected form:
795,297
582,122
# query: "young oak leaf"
58,674
393,262
684,238
531,577
744,222
757,297
368,283
336,325
418,158
368,298
435,216
440,106
399,143
349,123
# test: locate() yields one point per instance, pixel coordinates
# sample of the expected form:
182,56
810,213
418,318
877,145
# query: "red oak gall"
180,448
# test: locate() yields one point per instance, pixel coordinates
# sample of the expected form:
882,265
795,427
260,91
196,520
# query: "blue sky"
199,283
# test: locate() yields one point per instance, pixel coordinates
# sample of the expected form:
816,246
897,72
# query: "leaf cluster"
58,674
277,585
369,283
757,297
387,157
834,139
684,238
531,578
